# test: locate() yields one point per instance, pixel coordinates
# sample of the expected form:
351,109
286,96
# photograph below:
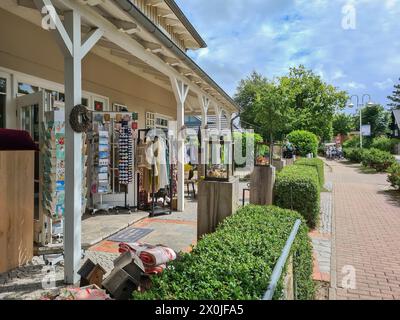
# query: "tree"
245,97
271,111
312,103
395,97
342,124
377,117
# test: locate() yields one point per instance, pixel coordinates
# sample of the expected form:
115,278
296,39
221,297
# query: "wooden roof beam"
125,26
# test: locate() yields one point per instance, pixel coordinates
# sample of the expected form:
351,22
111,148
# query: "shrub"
241,139
353,142
298,188
394,175
353,154
377,159
384,144
236,262
318,164
305,142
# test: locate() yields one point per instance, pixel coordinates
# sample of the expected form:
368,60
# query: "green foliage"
305,142
377,159
243,138
395,97
377,117
384,144
245,97
298,188
271,112
342,124
353,142
311,102
299,100
394,175
353,154
236,262
318,164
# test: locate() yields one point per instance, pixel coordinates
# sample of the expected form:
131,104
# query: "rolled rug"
150,255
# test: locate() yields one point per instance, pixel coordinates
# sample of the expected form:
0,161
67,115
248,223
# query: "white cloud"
383,85
354,85
271,36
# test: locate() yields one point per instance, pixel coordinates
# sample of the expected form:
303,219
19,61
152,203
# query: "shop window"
25,88
161,123
150,120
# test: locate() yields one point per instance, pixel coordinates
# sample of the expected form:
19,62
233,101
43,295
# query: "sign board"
366,130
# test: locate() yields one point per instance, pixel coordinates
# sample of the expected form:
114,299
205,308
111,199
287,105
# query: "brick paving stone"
367,237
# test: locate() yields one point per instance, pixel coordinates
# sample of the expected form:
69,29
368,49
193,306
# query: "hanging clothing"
141,154
160,152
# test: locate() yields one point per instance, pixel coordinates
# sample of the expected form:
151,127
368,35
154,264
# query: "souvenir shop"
125,168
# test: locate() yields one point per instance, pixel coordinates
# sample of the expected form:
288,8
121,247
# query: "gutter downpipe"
136,14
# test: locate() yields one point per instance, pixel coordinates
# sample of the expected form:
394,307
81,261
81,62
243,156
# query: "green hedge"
319,166
394,175
353,154
385,144
305,142
377,159
298,188
236,262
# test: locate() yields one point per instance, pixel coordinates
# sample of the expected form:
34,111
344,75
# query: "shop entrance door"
30,110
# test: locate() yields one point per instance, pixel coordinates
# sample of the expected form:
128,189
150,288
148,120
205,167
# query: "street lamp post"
363,104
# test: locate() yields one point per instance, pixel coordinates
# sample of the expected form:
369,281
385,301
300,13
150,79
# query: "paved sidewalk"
366,235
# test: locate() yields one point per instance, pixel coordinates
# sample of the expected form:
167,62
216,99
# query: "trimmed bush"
298,188
319,166
384,144
353,154
394,175
305,142
353,142
377,159
236,262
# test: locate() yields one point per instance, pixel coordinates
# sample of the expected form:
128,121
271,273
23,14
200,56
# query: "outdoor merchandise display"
53,174
112,160
155,172
125,155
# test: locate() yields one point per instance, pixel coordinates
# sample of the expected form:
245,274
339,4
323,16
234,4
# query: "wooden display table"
216,201
16,208
262,183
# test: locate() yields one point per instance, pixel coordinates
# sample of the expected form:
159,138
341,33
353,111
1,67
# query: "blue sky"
270,36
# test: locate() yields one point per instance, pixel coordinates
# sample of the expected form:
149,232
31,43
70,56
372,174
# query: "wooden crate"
16,208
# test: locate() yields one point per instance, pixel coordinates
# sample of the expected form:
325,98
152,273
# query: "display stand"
116,199
154,208
52,160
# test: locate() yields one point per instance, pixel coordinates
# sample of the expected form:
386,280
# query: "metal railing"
280,265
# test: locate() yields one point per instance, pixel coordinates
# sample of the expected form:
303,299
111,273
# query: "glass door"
30,113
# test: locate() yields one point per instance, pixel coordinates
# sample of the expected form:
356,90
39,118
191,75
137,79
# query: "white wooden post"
68,37
204,105
181,91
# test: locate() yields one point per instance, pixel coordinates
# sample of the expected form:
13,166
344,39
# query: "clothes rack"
155,209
